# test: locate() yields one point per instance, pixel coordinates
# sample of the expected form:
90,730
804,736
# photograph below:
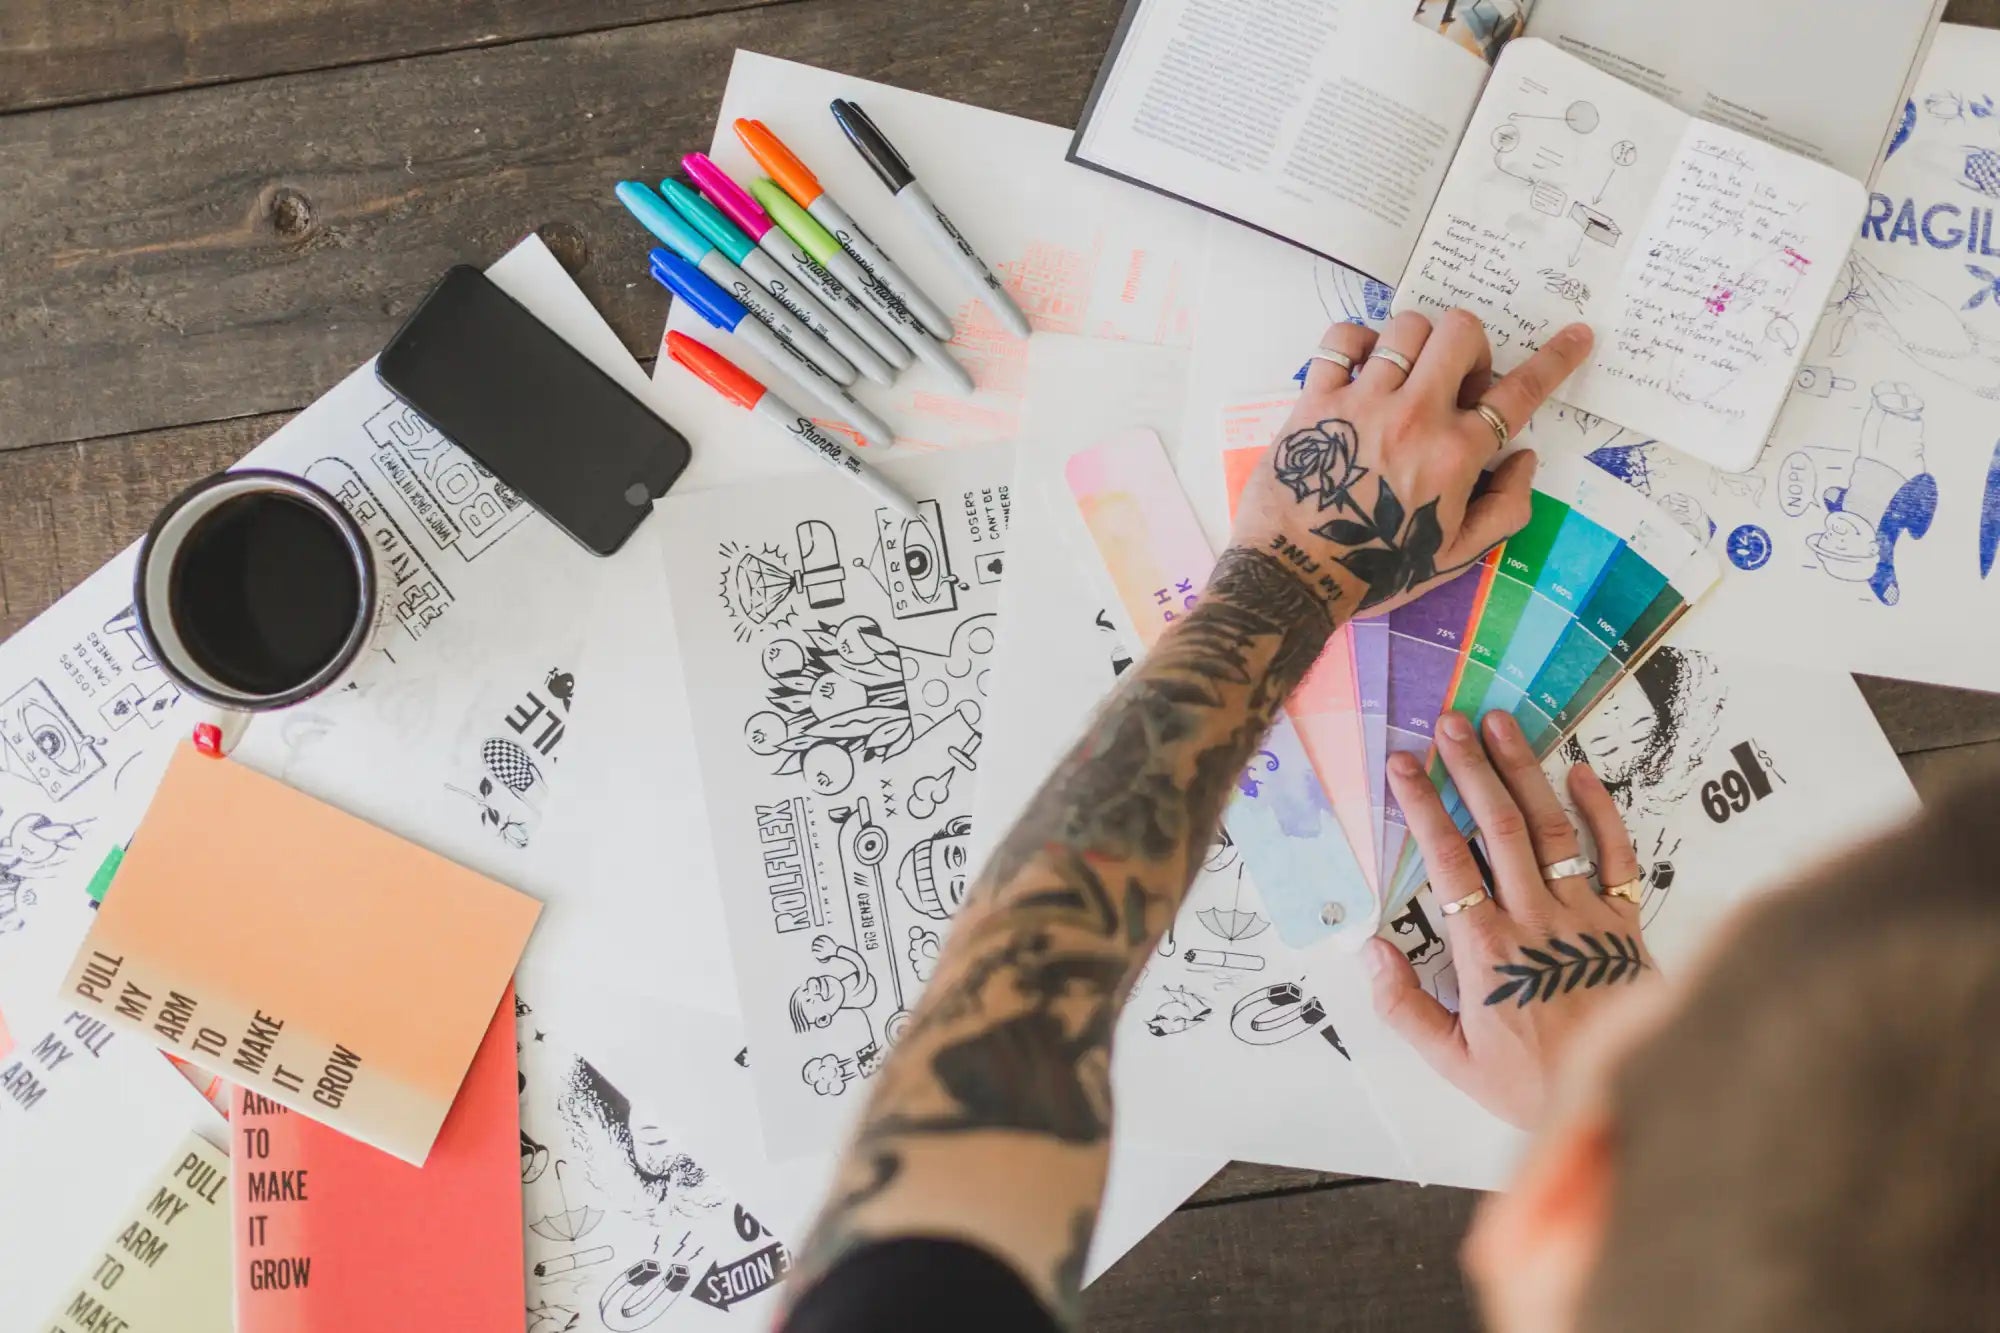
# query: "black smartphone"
501,385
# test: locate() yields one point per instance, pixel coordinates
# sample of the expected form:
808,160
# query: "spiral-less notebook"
289,947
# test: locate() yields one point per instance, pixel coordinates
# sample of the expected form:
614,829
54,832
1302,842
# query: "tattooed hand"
1536,962
1367,495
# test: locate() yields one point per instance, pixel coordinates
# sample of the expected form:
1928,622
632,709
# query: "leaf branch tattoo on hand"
1562,967
1389,550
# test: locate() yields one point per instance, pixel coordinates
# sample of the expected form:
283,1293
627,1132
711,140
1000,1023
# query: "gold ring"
1341,359
1467,903
1632,891
1394,358
1503,434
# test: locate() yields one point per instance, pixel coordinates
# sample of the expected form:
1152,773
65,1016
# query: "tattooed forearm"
1003,1071
1559,967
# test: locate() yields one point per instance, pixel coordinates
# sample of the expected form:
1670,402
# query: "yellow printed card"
164,1266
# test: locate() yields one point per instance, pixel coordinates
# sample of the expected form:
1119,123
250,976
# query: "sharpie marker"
741,388
792,175
699,251
816,241
735,203
760,268
726,313
879,153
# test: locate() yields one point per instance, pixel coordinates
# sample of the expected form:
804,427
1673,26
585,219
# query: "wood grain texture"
1246,1180
236,249
58,51
1373,1256
1918,717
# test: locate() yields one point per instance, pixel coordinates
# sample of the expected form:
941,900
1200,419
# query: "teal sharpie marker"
818,242
760,268
698,250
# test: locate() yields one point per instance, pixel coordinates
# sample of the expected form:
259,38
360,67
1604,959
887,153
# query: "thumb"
1411,1012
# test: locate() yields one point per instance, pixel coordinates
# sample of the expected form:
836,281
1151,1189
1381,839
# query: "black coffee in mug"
256,590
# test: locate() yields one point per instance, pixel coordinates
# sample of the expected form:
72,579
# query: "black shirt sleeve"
917,1285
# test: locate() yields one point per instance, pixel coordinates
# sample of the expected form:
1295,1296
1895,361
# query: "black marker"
880,154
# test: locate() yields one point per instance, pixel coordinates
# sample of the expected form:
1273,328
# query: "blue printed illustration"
1749,547
1889,494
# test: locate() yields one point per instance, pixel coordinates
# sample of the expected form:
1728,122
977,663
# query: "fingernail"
1502,728
1455,726
1404,763
1380,954
1580,335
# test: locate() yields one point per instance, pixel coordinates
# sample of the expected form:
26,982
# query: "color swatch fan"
1543,630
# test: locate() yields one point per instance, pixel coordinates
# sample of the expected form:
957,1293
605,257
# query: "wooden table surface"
211,210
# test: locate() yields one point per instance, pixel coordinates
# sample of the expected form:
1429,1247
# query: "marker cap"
707,219
698,290
716,370
780,161
800,225
722,191
873,145
654,215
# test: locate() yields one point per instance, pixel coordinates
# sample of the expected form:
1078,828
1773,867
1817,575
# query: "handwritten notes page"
1702,257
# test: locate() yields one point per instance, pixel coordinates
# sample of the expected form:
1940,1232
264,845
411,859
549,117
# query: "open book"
1701,256
1331,123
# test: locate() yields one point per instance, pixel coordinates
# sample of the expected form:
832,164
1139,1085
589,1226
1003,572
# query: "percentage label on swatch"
1738,789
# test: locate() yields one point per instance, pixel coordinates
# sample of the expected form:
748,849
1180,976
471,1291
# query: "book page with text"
1328,123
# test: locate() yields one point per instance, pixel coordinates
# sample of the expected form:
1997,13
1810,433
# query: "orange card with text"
327,1230
285,945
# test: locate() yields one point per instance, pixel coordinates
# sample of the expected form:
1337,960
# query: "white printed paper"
1079,253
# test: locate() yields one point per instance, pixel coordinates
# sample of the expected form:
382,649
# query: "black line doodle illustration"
845,695
561,686
633,1164
761,587
922,952
461,505
43,744
1241,962
16,897
570,1224
564,1264
846,984
422,597
548,1317
534,1157
829,1075
1275,1014
1232,923
37,845
511,792
724,1285
1178,1010
532,713
934,874
641,1295
1415,922
911,563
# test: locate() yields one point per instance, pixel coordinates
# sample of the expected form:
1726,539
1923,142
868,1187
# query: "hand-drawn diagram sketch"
624,1226
1871,524
1552,164
844,786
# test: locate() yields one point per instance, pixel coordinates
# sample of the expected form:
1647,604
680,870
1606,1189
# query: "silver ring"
1341,359
1573,867
1467,903
1394,358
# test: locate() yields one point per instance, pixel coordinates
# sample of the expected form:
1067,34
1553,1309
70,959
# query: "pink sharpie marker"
737,205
